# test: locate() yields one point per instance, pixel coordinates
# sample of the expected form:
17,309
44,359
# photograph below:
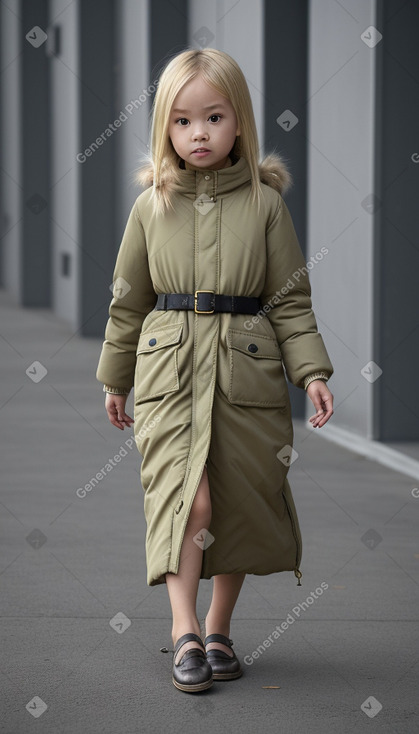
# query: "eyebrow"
210,107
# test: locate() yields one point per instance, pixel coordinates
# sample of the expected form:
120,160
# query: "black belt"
207,302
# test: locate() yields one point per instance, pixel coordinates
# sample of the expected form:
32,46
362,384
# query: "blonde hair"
220,71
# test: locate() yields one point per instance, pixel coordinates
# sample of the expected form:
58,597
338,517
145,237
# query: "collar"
213,183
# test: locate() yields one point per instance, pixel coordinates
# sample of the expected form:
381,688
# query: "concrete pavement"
81,630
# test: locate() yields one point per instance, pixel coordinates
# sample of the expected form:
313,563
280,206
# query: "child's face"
192,125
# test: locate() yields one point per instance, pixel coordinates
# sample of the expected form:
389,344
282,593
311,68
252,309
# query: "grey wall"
363,188
132,77
65,179
11,153
25,205
93,189
396,240
340,177
99,120
35,245
285,37
168,29
237,29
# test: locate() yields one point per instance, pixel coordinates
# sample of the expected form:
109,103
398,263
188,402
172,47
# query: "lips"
201,150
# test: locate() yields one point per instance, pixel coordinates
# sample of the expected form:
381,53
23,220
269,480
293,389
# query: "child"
211,302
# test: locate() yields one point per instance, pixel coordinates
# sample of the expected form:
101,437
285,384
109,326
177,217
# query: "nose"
200,134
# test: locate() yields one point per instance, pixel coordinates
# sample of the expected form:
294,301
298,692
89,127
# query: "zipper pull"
298,575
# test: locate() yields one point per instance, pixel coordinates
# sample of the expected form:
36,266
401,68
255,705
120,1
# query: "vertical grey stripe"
286,89
168,32
97,174
35,205
396,248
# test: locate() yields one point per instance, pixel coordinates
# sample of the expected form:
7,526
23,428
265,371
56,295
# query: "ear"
238,132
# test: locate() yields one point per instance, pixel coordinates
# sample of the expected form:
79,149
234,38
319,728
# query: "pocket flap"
154,339
255,345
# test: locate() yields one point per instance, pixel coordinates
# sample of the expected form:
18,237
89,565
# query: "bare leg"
183,586
225,593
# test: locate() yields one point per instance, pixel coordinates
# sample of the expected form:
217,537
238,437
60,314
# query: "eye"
211,116
182,120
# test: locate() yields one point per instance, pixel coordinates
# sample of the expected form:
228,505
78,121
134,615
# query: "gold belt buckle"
196,301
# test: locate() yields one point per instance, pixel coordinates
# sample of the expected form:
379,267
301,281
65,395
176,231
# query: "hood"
272,172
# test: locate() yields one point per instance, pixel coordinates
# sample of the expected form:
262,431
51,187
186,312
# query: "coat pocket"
256,372
156,370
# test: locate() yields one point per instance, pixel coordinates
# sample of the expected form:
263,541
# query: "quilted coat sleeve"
133,298
286,299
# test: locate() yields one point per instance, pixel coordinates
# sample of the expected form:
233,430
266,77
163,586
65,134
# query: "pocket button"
252,348
152,342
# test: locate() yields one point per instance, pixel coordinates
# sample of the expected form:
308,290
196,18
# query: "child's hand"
115,408
322,399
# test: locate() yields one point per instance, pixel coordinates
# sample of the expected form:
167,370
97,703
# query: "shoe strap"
189,637
219,638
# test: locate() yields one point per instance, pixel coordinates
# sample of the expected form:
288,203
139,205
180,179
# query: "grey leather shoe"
224,666
193,672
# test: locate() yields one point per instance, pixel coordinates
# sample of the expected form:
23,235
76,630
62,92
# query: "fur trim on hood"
272,171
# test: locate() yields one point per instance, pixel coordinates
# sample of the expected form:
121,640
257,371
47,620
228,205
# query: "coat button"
152,342
252,348
207,178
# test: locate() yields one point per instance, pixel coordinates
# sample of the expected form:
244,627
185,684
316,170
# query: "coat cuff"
117,390
315,376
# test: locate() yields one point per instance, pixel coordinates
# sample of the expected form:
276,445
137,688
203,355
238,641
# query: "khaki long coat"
211,387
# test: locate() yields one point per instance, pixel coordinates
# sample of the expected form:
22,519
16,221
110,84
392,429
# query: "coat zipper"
297,571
